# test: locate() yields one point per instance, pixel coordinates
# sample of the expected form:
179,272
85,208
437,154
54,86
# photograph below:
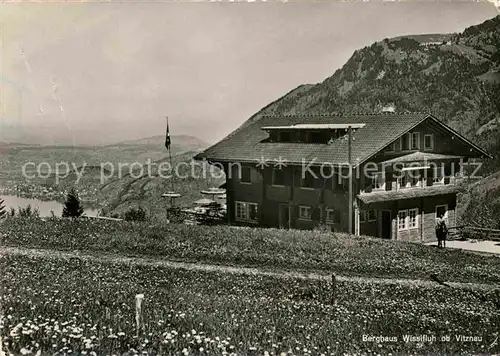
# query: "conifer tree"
72,206
2,209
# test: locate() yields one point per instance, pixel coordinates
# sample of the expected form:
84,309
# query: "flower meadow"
272,248
73,306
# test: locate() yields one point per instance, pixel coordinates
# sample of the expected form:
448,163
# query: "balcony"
392,195
381,184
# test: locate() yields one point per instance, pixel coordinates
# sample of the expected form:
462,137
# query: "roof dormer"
309,133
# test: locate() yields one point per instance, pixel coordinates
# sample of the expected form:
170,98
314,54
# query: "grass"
75,307
270,248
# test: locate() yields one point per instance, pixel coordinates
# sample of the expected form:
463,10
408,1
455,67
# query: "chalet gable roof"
249,144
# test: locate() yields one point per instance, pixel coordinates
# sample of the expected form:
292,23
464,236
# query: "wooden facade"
418,176
279,206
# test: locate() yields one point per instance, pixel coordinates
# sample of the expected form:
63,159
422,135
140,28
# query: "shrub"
481,212
28,212
72,206
173,215
115,215
138,214
2,208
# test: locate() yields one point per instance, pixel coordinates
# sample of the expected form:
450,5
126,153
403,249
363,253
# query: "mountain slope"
145,190
454,76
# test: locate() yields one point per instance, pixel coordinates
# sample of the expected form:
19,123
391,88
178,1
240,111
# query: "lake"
44,207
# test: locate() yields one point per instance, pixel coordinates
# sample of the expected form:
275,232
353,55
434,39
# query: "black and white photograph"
255,178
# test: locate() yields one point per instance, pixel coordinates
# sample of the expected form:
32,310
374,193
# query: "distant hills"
185,142
15,155
181,142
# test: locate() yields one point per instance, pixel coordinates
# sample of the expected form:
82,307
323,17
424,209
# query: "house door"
385,224
284,216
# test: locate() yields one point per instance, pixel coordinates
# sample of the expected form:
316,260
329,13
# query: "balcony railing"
423,183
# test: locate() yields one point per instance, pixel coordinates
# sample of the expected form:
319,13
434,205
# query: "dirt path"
115,258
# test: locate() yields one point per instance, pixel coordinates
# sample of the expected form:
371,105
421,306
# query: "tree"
72,206
28,212
2,209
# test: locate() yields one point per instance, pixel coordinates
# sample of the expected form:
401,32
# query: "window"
307,181
362,216
409,179
332,216
390,148
337,134
438,175
245,175
246,211
371,215
408,219
429,142
414,179
315,137
415,140
285,136
241,213
402,223
413,219
449,170
305,212
405,142
302,136
252,212
378,181
274,136
403,180
278,177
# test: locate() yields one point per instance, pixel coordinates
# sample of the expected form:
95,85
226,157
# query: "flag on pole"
167,138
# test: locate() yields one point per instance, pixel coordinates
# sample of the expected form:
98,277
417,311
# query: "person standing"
441,230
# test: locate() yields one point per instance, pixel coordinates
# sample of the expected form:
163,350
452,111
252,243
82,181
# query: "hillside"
100,164
457,79
133,190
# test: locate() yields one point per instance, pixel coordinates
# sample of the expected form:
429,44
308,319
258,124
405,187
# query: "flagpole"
171,194
170,159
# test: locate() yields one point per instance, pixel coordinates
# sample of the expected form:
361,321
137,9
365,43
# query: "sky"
97,73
